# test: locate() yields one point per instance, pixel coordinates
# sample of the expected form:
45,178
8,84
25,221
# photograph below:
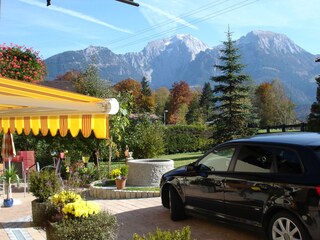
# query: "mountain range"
266,55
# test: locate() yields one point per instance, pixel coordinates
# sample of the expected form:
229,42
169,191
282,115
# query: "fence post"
283,128
268,129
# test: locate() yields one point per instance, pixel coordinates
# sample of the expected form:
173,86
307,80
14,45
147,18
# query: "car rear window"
288,162
255,159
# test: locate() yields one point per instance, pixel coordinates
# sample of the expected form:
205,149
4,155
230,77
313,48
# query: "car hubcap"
285,229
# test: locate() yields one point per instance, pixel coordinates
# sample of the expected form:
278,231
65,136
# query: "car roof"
297,138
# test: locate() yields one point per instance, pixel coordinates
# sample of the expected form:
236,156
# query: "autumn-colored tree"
180,95
69,76
264,103
21,63
130,86
274,107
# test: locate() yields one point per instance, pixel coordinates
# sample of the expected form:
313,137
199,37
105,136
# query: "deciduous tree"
133,87
274,107
180,94
161,98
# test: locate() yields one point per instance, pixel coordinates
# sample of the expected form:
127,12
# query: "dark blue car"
267,181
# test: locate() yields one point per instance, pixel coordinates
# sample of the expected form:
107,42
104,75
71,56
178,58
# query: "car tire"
165,197
176,206
286,226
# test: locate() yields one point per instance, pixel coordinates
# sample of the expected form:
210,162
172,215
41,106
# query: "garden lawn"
181,159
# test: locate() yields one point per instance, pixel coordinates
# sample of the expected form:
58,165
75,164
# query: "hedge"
187,138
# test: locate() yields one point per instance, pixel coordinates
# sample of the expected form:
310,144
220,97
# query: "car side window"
256,159
217,160
288,162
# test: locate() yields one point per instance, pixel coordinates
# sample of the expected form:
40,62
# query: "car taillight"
318,190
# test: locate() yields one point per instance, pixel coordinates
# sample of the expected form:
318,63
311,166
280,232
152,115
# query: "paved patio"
134,216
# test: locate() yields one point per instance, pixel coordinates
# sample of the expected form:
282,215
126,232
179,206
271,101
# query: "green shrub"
184,234
187,138
95,227
78,175
44,184
145,137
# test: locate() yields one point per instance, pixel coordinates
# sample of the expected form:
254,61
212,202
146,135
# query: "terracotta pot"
120,183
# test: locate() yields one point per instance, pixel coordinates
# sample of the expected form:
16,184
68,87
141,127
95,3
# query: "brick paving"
134,216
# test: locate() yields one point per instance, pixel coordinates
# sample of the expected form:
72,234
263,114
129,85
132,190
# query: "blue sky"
77,24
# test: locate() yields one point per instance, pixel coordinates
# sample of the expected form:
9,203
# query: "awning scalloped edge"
86,123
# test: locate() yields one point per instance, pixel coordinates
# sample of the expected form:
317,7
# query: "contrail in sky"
74,14
168,15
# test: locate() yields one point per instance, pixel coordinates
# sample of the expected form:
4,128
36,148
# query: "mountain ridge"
267,56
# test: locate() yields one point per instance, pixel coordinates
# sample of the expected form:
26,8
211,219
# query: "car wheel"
165,197
176,206
287,227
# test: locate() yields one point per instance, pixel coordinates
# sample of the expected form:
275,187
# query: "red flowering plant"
21,63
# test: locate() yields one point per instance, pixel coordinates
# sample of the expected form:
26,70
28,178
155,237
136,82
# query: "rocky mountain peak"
186,41
270,42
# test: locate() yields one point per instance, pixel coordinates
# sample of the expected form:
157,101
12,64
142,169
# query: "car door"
204,185
248,188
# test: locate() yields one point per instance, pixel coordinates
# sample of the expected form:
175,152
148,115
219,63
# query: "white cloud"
74,14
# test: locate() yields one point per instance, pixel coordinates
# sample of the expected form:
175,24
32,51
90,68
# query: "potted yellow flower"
120,176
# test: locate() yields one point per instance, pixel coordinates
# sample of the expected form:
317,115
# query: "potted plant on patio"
76,218
42,185
120,176
9,176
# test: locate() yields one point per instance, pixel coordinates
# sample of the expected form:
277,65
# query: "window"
287,162
217,160
254,159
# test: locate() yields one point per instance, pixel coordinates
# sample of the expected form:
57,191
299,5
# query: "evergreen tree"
195,113
231,91
145,88
206,101
147,101
314,116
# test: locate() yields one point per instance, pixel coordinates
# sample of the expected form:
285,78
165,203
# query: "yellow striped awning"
26,107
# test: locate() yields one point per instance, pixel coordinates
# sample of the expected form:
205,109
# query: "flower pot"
120,183
39,213
8,202
50,230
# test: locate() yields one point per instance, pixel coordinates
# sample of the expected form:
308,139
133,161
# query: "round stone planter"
147,172
114,193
